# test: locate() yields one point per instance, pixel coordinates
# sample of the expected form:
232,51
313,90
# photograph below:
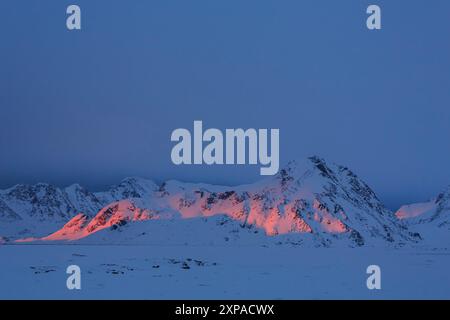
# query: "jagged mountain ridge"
327,202
33,210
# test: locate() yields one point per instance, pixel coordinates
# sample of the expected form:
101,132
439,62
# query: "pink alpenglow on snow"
324,202
415,210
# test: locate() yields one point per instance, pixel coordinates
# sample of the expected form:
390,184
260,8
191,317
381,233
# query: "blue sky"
96,105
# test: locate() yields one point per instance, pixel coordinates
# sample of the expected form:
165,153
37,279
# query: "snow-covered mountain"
431,219
436,211
133,187
307,200
36,210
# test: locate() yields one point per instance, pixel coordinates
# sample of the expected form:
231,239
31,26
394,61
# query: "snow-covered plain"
221,272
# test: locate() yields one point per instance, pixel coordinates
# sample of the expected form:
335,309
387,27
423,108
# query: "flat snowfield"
213,272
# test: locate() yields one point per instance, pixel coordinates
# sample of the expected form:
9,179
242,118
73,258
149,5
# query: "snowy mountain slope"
133,187
37,210
33,210
83,201
40,201
431,219
218,230
315,200
435,211
7,214
112,216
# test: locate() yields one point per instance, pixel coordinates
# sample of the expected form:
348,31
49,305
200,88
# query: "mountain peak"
311,197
